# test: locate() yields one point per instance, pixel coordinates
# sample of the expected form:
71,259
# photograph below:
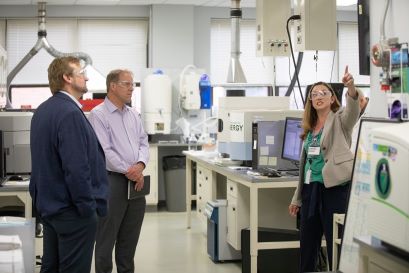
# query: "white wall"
172,36
396,24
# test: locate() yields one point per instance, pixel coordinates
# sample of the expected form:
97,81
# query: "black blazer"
68,163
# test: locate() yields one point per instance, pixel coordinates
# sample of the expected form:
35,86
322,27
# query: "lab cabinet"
152,170
205,191
238,206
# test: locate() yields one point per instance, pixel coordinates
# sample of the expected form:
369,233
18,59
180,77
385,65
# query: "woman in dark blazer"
325,167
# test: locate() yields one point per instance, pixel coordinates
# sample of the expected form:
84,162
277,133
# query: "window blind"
349,52
114,43
22,36
254,69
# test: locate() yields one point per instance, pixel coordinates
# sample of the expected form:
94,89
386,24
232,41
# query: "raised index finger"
346,70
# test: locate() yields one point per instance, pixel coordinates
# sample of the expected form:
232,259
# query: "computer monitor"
292,143
266,148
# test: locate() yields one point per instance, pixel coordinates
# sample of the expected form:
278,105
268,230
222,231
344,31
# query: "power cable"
294,17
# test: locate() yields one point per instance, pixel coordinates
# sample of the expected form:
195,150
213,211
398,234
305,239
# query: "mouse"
16,178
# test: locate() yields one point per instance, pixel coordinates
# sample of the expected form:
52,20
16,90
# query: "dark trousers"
68,242
120,228
317,209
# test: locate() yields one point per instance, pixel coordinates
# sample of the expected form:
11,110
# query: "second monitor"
292,143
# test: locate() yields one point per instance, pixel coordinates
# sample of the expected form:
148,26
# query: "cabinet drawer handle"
206,177
200,210
200,185
200,198
200,172
234,209
231,188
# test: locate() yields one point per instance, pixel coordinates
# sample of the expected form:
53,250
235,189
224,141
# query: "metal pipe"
235,72
42,42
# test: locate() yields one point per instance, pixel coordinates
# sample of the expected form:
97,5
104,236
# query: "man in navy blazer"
68,184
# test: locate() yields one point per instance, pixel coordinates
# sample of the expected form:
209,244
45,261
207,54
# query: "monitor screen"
266,144
292,142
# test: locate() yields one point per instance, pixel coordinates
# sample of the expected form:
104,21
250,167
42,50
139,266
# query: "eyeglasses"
319,94
127,83
82,72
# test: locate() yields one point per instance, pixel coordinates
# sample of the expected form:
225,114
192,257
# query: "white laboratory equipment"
271,18
311,32
228,104
389,203
16,133
217,246
240,129
189,88
157,103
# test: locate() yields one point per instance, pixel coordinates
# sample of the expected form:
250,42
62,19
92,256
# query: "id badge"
314,150
308,177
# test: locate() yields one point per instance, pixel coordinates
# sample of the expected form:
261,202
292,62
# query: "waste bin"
174,167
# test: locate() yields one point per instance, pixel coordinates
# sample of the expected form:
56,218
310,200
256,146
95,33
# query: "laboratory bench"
252,202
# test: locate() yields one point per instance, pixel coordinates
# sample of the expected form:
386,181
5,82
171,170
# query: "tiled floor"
167,246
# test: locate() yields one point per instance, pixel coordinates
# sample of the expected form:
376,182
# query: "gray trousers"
120,228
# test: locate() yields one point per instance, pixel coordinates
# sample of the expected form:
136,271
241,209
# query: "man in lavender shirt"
125,143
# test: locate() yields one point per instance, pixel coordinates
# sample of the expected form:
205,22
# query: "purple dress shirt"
121,135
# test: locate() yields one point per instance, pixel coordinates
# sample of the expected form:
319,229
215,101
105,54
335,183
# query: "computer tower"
271,260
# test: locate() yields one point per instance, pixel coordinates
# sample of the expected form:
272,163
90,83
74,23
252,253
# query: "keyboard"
269,172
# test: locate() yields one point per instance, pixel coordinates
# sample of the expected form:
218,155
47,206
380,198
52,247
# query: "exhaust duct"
42,43
235,72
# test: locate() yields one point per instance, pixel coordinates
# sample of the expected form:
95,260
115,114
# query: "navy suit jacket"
68,163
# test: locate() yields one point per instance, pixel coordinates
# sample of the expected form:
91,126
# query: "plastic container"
174,167
157,103
205,92
192,142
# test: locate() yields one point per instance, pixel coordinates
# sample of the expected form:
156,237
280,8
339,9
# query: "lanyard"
314,148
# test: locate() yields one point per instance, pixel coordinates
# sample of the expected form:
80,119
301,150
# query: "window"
111,43
349,52
254,69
